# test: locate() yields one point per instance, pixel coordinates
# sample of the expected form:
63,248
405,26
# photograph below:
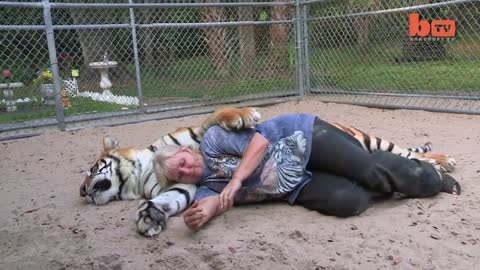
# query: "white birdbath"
103,67
9,96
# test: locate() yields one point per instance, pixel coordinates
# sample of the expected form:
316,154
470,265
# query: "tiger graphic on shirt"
283,170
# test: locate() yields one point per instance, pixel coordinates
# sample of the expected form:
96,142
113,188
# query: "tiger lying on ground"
128,173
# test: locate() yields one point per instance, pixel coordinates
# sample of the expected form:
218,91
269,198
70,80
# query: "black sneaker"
450,185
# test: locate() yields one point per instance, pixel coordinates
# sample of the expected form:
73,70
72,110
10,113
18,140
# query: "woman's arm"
253,156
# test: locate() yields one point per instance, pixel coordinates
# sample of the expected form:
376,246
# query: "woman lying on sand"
301,159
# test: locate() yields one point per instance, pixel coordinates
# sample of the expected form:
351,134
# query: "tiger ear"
109,143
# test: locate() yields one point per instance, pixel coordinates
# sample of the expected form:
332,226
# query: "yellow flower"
47,75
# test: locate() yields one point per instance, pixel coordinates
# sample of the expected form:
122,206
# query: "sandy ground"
46,225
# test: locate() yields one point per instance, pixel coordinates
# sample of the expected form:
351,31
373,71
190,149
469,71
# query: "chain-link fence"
76,61
364,52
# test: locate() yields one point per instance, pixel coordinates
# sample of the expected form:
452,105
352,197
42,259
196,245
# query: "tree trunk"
216,37
152,44
95,43
247,40
279,38
362,25
362,28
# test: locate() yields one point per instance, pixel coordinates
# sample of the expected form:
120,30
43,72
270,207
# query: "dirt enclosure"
46,225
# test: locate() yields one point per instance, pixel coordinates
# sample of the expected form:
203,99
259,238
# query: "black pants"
346,179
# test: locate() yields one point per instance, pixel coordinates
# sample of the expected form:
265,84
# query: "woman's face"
186,167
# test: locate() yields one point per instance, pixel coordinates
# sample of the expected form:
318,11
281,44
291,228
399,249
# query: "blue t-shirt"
281,174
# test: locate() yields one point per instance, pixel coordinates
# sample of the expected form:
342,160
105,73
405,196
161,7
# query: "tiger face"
107,177
101,184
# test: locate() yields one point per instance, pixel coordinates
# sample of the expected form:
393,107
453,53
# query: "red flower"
7,74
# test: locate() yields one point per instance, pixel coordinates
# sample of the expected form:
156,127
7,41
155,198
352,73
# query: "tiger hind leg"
441,162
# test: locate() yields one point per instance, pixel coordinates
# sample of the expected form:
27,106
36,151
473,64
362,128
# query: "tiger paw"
446,164
250,117
441,162
231,118
151,218
450,164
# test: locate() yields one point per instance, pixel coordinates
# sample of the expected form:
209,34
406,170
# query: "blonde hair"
162,164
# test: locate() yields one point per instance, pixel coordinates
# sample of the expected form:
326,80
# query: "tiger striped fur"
370,143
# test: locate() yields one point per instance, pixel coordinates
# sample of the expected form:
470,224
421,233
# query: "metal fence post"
299,49
136,58
52,53
306,51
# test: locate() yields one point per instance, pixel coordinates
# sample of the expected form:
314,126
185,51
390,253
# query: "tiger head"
108,178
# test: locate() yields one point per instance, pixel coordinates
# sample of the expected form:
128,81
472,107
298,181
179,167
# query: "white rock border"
108,96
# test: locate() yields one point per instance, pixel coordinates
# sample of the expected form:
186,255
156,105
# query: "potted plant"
45,79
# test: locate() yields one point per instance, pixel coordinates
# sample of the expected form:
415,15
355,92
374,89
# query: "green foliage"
263,15
195,78
350,68
45,76
38,110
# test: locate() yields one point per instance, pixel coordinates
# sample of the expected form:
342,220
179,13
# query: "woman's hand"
228,194
196,216
201,212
